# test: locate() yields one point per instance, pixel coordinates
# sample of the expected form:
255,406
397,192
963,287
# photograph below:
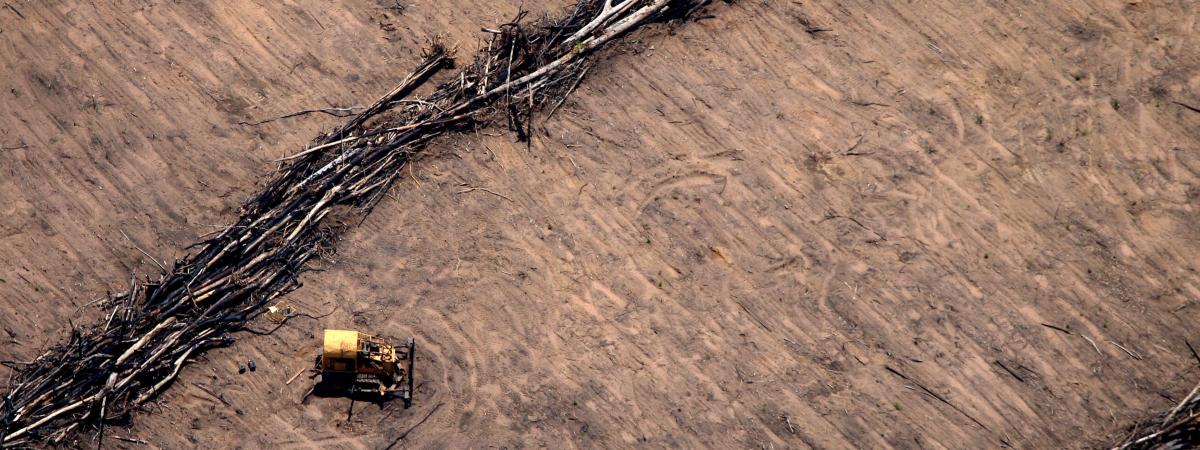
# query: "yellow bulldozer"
361,364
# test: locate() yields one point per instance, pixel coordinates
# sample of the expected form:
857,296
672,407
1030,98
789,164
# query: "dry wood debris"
104,371
1176,429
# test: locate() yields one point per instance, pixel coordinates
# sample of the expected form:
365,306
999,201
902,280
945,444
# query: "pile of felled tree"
104,371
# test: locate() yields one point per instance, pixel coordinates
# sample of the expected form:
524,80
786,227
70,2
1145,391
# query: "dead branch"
154,329
14,10
1057,328
410,429
472,189
1189,107
936,396
335,112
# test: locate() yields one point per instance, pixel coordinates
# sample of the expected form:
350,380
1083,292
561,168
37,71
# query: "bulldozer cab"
360,362
340,353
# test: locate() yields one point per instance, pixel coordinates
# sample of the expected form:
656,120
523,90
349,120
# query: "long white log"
174,373
66,409
145,340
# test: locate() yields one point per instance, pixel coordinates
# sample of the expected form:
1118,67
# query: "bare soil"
792,225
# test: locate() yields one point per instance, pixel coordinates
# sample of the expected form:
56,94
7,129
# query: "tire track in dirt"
581,313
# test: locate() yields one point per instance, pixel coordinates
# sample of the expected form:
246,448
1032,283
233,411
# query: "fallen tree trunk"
104,371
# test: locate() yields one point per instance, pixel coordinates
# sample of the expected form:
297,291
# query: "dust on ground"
789,225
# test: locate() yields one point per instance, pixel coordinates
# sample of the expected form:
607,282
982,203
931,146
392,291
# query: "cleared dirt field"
792,225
